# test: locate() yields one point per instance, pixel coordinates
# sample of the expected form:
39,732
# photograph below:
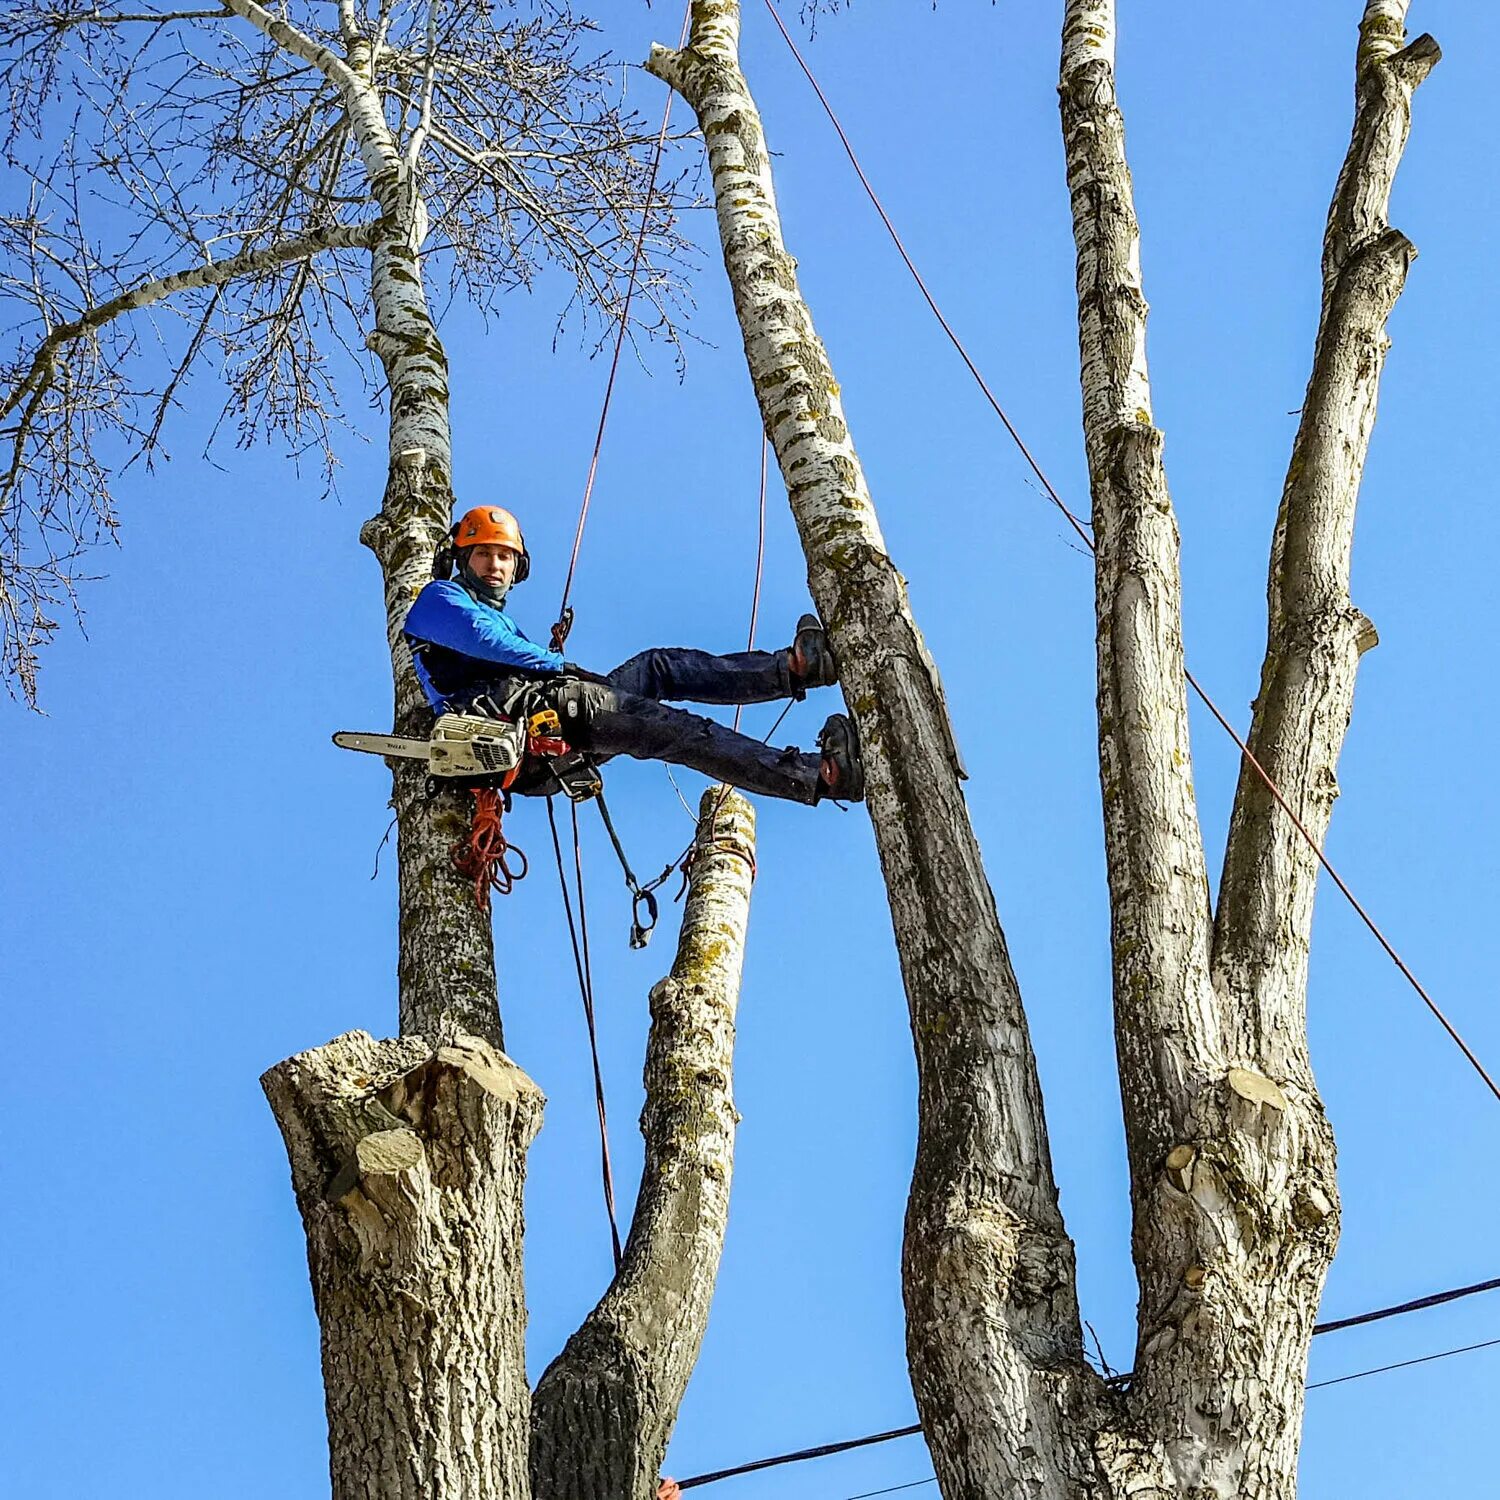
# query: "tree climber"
471,657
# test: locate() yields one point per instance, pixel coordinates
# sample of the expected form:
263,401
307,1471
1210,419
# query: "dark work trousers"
628,717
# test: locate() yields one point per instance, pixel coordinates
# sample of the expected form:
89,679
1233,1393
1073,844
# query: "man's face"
493,565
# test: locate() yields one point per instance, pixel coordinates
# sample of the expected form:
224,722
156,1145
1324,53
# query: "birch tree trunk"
605,1408
994,1336
445,963
408,1156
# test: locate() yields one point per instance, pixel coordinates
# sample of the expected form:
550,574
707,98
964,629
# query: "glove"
572,669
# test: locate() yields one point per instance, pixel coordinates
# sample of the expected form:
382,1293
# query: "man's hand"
572,669
668,1490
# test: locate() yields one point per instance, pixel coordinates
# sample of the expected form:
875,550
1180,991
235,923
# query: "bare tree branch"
1315,634
1157,872
207,136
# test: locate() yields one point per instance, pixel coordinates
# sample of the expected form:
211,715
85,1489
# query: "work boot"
810,662
842,773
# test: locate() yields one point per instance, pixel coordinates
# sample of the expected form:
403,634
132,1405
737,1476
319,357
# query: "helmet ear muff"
523,564
445,559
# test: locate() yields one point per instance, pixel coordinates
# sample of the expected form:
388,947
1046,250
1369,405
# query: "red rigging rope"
1079,527
484,855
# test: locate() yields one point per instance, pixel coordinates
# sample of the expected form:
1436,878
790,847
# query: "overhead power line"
1334,1325
1079,527
1316,1385
1418,1304
1404,1364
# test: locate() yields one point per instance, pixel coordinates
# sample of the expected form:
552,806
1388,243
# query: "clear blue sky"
187,895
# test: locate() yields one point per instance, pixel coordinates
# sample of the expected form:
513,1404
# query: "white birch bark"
605,1408
445,962
988,1269
1231,1155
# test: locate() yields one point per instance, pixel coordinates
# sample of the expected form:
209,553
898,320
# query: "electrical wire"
1334,1325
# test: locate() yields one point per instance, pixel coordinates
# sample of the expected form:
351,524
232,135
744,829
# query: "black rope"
581,962
640,895
1417,1304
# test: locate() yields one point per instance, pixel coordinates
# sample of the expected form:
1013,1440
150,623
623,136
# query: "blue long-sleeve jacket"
476,643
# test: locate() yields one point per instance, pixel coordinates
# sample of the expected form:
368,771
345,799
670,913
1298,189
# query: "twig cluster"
183,193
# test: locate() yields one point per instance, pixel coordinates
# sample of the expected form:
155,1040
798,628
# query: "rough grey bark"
604,1410
1231,1155
408,1161
988,1269
1316,635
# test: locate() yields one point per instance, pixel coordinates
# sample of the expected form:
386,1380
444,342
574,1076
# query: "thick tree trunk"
1235,1209
605,1408
408,1162
994,1333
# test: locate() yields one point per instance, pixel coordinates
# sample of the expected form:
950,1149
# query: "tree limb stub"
604,1409
988,1269
408,1162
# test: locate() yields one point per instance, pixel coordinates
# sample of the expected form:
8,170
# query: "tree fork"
1232,1158
408,1162
994,1335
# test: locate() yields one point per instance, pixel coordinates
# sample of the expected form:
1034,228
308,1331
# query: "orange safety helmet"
493,526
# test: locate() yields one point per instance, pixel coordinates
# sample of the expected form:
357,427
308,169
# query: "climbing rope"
484,855
578,934
760,562
564,613
1079,527
640,895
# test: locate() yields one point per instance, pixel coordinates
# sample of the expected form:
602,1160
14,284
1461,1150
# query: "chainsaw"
463,745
